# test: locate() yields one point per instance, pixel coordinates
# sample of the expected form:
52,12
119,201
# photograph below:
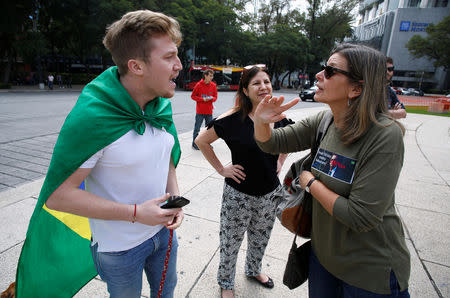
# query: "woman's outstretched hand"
271,109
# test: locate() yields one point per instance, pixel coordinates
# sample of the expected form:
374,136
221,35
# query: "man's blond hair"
128,37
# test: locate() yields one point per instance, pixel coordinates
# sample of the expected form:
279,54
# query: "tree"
15,23
435,46
76,27
325,27
280,44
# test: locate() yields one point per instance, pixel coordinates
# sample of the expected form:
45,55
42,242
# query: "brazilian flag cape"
56,260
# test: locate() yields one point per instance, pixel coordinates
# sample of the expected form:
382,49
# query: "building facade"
388,25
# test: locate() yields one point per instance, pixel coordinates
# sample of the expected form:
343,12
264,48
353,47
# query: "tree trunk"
7,72
282,80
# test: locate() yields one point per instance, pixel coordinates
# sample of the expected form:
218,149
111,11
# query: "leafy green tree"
283,49
280,43
325,27
14,24
210,28
435,46
76,27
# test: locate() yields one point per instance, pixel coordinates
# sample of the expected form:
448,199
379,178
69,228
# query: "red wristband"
134,215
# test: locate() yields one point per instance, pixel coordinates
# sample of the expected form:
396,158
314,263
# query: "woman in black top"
251,181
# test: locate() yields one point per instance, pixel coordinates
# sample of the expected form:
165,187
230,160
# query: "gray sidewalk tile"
207,285
441,277
26,150
95,288
35,142
25,157
11,181
197,159
429,233
33,147
411,193
198,241
14,222
8,264
419,284
20,193
190,176
16,172
205,199
22,164
422,202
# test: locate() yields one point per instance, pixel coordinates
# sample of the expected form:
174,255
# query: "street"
30,123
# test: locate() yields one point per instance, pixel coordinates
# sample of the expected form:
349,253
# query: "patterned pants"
240,213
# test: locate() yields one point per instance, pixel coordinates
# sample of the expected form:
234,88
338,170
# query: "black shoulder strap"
322,129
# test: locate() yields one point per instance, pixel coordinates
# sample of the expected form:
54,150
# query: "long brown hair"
243,102
367,67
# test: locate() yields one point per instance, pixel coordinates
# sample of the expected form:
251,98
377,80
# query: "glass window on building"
380,9
413,3
438,3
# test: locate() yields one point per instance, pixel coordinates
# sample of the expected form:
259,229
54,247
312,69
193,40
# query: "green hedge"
437,91
78,78
5,86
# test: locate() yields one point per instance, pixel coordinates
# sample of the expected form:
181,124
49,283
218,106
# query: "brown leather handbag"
295,209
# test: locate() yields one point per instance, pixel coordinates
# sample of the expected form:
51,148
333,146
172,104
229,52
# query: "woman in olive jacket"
358,242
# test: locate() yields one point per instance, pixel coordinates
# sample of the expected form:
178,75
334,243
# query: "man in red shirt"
204,93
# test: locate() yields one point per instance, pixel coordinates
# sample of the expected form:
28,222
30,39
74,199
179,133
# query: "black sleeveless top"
260,168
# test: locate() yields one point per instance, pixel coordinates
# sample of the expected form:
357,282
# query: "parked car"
408,91
398,90
308,93
414,92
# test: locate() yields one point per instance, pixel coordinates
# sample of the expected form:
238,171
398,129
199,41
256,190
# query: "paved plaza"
422,197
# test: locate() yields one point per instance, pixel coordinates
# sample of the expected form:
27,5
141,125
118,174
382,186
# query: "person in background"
396,108
50,78
250,193
59,80
358,241
68,80
204,93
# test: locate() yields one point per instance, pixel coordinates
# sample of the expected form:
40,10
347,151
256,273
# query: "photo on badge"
335,165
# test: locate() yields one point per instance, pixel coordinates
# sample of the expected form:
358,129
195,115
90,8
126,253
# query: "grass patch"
422,111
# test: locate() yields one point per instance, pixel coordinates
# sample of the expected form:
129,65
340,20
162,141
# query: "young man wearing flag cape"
119,140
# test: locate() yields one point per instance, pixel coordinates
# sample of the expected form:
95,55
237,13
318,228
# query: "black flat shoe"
268,284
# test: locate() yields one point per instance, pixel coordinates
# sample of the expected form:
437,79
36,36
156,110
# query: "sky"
301,4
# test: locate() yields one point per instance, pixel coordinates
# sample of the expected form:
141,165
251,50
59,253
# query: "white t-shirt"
131,170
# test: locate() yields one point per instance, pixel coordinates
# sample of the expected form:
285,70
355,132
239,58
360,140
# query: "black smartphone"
175,202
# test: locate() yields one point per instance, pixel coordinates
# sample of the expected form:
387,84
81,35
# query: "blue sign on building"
405,25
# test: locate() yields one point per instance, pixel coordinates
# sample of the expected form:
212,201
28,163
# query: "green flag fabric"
56,260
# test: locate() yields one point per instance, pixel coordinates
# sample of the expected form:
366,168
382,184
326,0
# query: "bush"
434,91
438,91
5,86
80,78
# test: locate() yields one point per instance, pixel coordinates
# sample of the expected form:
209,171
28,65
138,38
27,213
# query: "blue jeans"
198,123
122,270
323,284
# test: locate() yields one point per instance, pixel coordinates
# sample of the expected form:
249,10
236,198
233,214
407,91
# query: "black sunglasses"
391,68
330,71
